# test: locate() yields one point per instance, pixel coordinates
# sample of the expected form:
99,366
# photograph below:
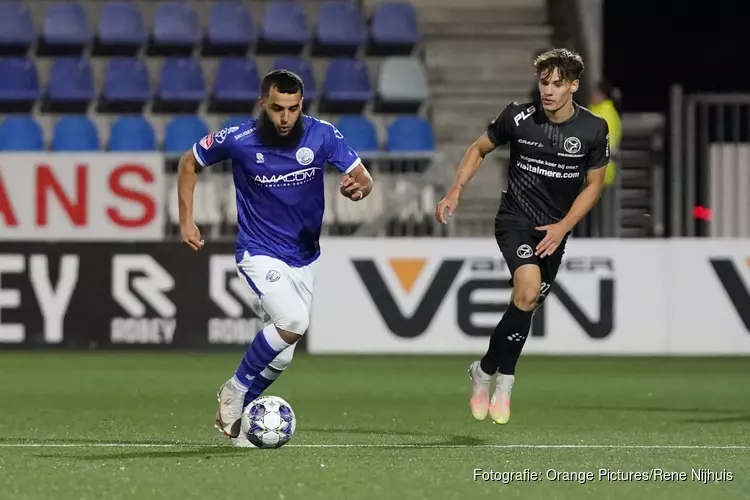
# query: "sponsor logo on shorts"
273,275
524,251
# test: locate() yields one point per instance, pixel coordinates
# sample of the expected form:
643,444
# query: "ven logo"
408,271
735,286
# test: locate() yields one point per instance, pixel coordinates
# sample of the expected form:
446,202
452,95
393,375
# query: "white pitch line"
391,446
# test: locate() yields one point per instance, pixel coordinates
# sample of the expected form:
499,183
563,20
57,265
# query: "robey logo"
407,272
735,286
53,298
233,297
151,289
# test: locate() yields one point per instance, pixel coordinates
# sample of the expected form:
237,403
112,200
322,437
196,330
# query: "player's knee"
526,295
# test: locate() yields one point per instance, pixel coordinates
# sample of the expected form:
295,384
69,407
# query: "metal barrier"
710,164
407,189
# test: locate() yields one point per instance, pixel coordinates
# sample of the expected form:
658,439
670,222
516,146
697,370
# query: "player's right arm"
205,152
498,132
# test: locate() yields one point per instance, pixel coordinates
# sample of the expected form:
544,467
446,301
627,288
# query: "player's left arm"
356,181
598,158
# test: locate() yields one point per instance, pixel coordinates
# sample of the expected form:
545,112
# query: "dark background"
651,44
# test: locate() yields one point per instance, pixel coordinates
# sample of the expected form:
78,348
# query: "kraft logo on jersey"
296,178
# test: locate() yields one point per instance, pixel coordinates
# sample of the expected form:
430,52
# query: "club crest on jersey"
223,133
207,141
305,156
524,251
572,145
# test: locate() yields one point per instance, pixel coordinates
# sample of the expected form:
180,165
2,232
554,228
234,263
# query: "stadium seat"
71,86
126,86
394,29
19,84
21,133
182,132
75,133
359,132
410,133
305,71
181,86
347,87
65,30
16,28
285,28
132,133
236,120
230,30
120,30
402,85
236,87
175,30
340,30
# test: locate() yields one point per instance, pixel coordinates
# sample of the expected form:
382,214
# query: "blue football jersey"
280,192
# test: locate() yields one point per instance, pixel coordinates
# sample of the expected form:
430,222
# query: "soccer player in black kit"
557,153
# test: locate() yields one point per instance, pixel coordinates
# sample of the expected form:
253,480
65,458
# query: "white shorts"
284,293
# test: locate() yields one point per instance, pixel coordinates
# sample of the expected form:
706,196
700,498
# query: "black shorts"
517,239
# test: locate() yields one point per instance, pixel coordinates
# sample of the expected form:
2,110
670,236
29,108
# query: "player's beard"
271,137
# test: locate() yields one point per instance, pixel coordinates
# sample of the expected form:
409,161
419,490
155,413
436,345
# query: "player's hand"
552,240
449,203
351,188
191,236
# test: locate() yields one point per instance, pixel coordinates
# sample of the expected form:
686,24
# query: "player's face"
555,91
283,110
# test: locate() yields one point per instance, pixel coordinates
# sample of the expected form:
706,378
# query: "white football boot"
500,404
231,397
480,391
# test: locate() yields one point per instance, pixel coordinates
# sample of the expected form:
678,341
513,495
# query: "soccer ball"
269,422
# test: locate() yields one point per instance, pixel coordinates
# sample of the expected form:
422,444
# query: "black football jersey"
548,161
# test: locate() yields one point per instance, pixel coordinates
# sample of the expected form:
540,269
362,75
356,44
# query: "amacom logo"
295,178
735,286
480,276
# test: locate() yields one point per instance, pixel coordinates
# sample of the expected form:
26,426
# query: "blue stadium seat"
126,86
402,85
347,87
19,84
21,133
340,30
120,30
132,133
75,133
181,87
237,86
236,120
285,28
175,30
65,30
394,29
182,132
71,86
230,29
359,132
410,133
16,28
304,70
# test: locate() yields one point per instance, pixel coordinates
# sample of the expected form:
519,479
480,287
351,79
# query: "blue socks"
264,348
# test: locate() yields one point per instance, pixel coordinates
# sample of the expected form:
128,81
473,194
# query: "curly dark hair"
567,62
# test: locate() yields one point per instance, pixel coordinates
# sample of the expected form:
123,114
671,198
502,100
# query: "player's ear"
261,103
574,86
301,102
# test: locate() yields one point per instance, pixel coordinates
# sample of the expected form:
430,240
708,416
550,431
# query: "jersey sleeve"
216,147
500,130
338,152
599,149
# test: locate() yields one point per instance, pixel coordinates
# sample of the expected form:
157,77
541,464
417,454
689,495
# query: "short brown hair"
568,63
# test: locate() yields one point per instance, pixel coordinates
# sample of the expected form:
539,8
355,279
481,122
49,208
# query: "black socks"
507,342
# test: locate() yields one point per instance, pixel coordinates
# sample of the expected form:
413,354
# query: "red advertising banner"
82,196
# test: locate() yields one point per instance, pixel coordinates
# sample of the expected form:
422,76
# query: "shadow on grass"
655,409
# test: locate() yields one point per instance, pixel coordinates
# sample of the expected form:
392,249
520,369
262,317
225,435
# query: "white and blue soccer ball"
269,422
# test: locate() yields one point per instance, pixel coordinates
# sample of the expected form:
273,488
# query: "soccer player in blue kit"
278,161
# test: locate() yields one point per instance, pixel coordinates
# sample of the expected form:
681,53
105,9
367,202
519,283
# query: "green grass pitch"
140,426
